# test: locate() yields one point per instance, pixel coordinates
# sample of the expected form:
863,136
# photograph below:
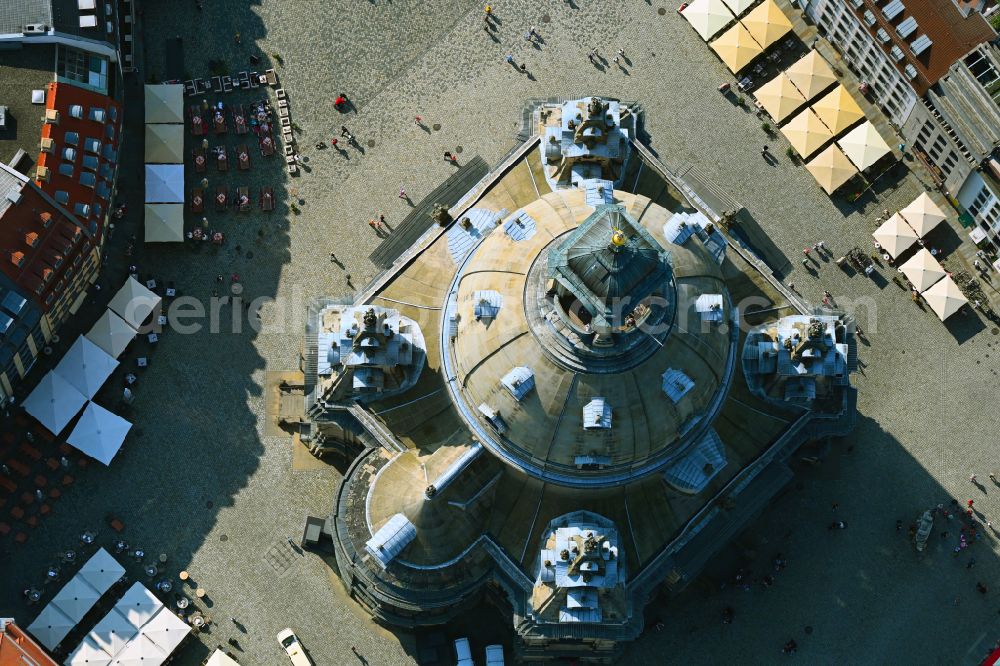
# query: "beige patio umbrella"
923,270
164,103
807,133
739,7
945,298
838,110
923,214
767,23
811,74
779,97
164,223
895,236
864,146
737,48
831,169
708,17
164,144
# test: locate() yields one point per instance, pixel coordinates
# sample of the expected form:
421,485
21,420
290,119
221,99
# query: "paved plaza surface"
200,480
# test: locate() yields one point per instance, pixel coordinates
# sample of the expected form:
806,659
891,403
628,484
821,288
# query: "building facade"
927,65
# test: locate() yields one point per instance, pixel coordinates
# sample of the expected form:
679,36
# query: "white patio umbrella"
864,146
220,658
164,183
923,214
54,402
895,236
86,366
88,653
76,598
99,433
113,632
923,270
166,630
945,298
708,17
138,605
111,334
101,571
140,652
134,303
51,626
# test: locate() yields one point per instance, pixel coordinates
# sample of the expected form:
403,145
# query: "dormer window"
31,238
597,415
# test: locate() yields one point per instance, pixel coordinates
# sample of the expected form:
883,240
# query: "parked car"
494,655
293,647
463,653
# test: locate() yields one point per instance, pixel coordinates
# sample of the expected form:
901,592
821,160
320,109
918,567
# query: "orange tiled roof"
17,648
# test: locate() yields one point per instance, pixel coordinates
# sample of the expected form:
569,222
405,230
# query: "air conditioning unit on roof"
35,29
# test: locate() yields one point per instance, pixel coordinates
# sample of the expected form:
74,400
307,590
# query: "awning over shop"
86,366
811,74
708,17
864,146
54,402
895,236
99,433
164,103
738,7
923,214
736,48
807,133
831,169
780,98
922,270
134,303
164,223
165,183
945,298
111,334
164,144
838,110
767,23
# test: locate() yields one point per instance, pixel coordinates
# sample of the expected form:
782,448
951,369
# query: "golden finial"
618,238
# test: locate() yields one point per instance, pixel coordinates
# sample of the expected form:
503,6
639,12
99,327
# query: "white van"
494,655
463,653
293,647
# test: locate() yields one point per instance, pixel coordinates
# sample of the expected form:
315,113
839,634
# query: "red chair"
31,521
67,480
21,537
41,481
65,449
30,451
18,467
55,494
83,462
52,464
27,498
4,529
17,513
44,510
7,484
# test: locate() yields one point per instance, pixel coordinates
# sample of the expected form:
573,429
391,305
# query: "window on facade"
86,68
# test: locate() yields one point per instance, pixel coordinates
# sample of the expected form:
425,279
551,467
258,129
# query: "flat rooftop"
22,71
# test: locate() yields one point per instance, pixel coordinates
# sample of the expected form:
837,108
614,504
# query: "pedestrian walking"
333,142
533,31
993,477
233,620
402,193
381,219
489,12
527,36
418,120
371,223
290,541
972,478
970,502
590,57
621,52
509,58
523,67
238,39
447,155
343,131
791,286
807,251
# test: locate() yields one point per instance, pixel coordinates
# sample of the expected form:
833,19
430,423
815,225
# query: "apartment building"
927,64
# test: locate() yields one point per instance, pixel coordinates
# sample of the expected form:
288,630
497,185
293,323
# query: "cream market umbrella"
54,402
99,433
166,630
76,598
164,144
220,658
811,74
831,169
945,298
134,303
864,146
101,571
779,97
140,652
164,223
767,23
113,632
165,103
111,334
51,626
138,605
838,110
88,653
895,236
923,270
86,366
708,17
923,214
807,133
736,48
739,6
